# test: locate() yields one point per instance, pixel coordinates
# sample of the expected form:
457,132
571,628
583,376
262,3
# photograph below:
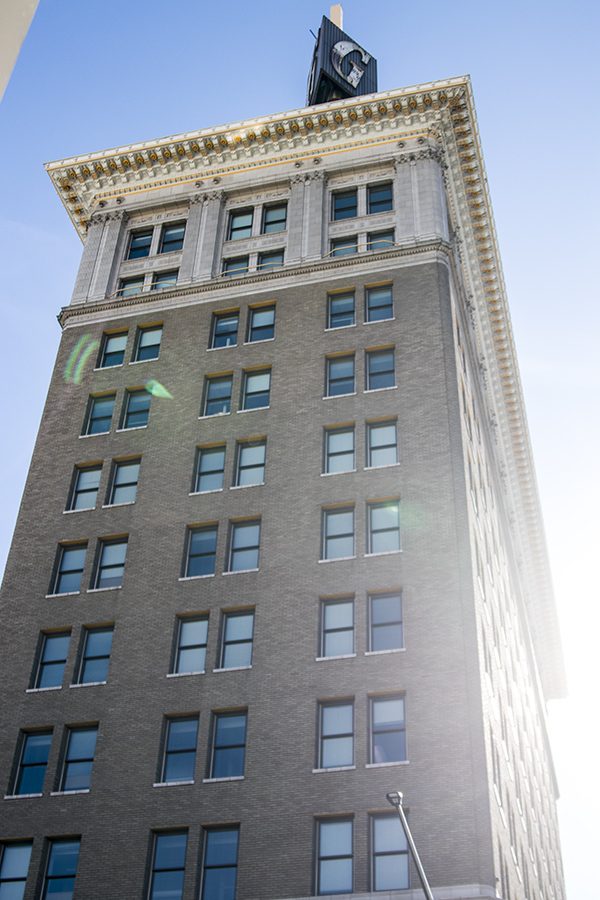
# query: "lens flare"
157,389
78,358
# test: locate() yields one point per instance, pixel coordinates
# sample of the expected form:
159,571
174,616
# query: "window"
339,450
79,757
379,198
86,482
111,563
69,569
380,369
345,246
14,866
344,205
385,622
380,240
380,303
384,527
171,237
190,652
113,350
236,265
124,482
219,868
163,280
238,629
340,375
168,866
52,660
99,414
388,738
250,468
338,533
139,243
210,465
382,447
33,759
136,409
240,224
256,389
244,546
61,870
217,395
148,343
336,740
261,324
179,761
97,644
334,864
271,260
224,330
202,551
340,310
229,745
130,286
390,854
274,218
337,620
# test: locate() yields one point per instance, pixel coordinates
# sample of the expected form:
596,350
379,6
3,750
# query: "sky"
93,75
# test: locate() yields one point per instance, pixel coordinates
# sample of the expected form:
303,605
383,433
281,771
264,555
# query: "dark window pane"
162,280
380,370
148,346
240,224
63,858
221,847
262,324
100,414
113,351
130,286
257,387
379,198
341,311
202,551
210,466
111,567
167,886
219,884
172,237
138,409
217,396
340,376
344,246
344,205
381,240
274,218
380,304
272,260
225,330
235,266
139,244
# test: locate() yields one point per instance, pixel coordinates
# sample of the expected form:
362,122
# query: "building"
280,549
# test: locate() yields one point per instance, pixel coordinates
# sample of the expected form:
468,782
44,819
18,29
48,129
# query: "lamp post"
395,799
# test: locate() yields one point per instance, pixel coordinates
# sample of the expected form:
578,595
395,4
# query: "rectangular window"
181,738
112,352
99,414
379,198
210,466
337,627
33,760
236,265
250,464
244,546
163,280
190,652
384,527
240,224
111,563
344,205
52,660
256,389
125,476
388,736
79,758
340,376
238,630
341,310
334,863
271,260
128,287
95,657
380,369
171,237
385,622
69,569
86,481
345,246
336,741
274,218
261,324
59,881
168,866
136,411
224,329
389,865
382,444
339,450
380,240
229,745
148,343
201,551
14,867
338,533
139,243
379,303
219,866
217,395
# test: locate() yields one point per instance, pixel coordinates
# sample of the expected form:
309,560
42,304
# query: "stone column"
404,197
295,216
314,216
88,259
433,221
106,263
190,241
204,263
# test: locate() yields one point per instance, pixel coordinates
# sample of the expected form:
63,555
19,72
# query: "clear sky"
97,74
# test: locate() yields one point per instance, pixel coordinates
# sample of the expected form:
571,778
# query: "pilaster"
106,261
190,241
314,213
204,264
88,260
404,199
295,221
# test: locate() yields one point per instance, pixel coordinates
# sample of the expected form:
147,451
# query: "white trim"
334,769
215,415
54,687
193,577
133,428
337,396
233,669
240,571
136,362
340,656
378,321
347,472
386,765
238,487
110,505
392,387
95,434
384,652
256,409
65,594
229,778
184,674
84,684
340,328
21,796
160,784
384,553
386,466
262,341
102,368
66,793
116,587
67,512
225,347
337,559
199,493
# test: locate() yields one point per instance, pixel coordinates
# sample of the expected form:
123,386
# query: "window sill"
85,684
228,778
199,493
384,652
116,587
340,327
215,415
42,690
239,487
329,474
234,669
21,796
102,368
133,428
224,347
337,396
194,577
261,341
64,594
334,769
377,321
336,559
392,387
69,793
185,674
69,512
386,765
340,656
386,466
161,784
240,571
110,505
384,553
95,434
136,362
255,409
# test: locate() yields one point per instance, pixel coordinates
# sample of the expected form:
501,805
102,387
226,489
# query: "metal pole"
412,846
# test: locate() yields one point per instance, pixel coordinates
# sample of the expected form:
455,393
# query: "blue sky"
98,74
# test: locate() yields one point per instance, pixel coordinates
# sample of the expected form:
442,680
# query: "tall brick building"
280,548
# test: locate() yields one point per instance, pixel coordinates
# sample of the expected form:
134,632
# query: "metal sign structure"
340,67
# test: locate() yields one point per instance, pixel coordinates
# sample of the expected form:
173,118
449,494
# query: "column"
404,198
88,259
114,223
190,241
295,220
204,264
314,215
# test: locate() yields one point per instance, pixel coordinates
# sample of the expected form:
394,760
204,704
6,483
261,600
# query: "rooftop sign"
341,68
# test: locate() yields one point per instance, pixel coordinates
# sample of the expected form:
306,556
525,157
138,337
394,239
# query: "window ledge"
199,493
21,796
40,690
95,434
64,594
392,387
224,347
84,684
345,472
334,769
385,553
68,512
386,765
386,466
215,415
240,571
340,656
239,487
340,328
68,793
102,368
228,778
336,559
234,669
255,409
136,362
160,784
384,652
261,341
194,577
110,505
133,428
184,674
337,396
115,587
377,321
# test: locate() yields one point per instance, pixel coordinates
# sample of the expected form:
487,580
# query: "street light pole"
395,798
